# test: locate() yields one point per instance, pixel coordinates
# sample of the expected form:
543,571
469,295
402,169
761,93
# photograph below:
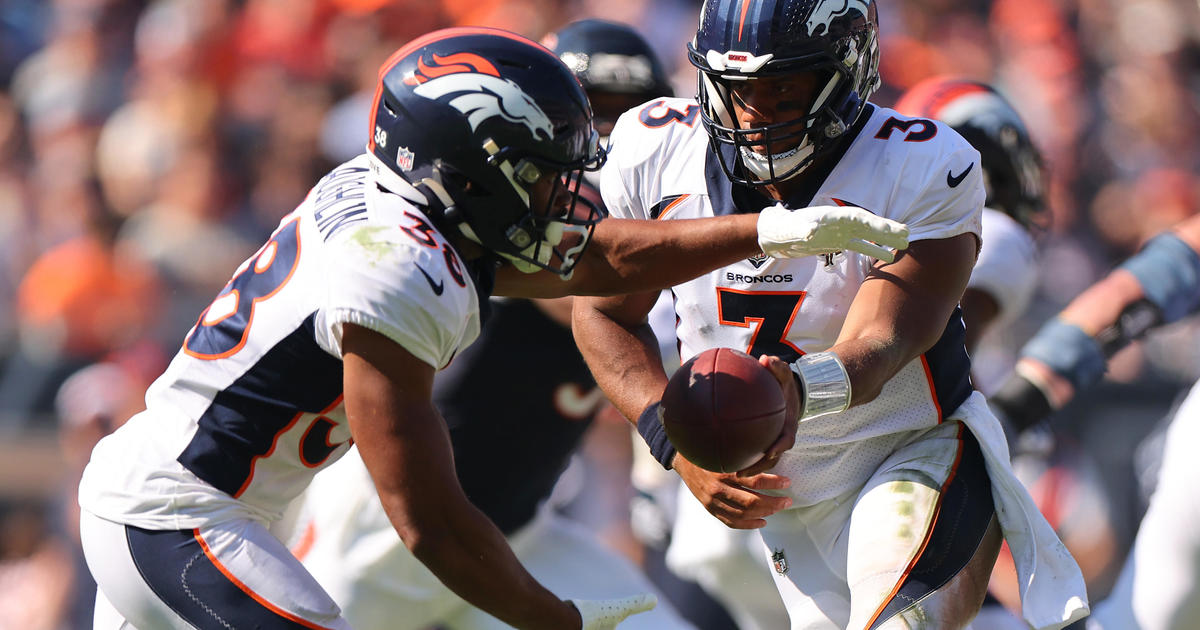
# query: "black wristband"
1021,402
1134,321
655,434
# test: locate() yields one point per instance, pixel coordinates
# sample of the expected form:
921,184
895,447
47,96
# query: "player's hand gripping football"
605,614
736,499
785,233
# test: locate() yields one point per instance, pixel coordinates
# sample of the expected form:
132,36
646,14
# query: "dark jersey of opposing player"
517,403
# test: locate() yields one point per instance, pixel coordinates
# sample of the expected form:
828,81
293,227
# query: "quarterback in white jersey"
880,508
1001,286
331,334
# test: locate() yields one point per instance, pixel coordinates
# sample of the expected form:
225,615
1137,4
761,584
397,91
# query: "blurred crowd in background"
147,147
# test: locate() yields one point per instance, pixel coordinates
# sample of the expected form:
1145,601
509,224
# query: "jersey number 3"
773,311
225,324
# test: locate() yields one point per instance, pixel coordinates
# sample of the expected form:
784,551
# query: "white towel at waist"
1053,594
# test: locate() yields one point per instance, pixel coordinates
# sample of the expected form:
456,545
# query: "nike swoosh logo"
436,286
953,180
573,402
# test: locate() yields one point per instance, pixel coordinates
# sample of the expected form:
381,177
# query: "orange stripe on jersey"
933,396
937,512
275,442
671,206
305,544
842,203
249,591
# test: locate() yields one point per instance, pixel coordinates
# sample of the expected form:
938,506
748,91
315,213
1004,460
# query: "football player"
616,66
889,493
1159,585
331,334
516,412
1000,288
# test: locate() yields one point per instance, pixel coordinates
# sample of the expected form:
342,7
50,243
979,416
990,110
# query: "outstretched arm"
1158,285
630,255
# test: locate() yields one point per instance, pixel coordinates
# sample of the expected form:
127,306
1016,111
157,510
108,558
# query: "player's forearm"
901,311
870,363
471,557
1159,284
624,359
628,256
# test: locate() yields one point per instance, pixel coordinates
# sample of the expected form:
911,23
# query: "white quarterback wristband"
825,385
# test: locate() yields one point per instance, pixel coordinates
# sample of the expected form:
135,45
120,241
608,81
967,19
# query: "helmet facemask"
841,53
557,226
495,132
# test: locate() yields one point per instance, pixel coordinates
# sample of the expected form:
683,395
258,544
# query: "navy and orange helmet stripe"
431,38
928,98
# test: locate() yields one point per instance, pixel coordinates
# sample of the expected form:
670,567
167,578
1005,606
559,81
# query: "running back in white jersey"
251,406
916,171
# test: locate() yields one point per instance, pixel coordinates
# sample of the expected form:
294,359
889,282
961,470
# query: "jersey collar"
729,198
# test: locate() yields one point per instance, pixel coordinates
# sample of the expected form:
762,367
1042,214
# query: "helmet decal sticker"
404,159
827,12
458,62
474,87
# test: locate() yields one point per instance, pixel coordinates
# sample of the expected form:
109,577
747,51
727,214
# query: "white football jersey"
915,171
251,406
1007,265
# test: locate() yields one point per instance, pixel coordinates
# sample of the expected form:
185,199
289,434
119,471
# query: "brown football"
722,409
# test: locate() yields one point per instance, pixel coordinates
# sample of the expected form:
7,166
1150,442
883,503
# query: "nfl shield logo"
757,260
404,159
779,561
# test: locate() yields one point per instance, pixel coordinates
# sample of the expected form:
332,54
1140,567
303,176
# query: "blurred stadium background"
148,146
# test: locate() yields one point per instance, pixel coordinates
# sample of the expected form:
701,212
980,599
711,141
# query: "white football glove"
784,233
605,614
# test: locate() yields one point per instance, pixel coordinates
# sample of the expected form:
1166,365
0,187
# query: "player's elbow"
425,537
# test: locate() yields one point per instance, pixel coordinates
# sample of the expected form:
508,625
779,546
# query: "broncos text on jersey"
661,167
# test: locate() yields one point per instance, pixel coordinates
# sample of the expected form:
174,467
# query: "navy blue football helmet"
740,40
1012,166
611,58
477,119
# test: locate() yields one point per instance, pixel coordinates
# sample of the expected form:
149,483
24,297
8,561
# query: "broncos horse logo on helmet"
822,17
744,40
1012,166
477,90
473,118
